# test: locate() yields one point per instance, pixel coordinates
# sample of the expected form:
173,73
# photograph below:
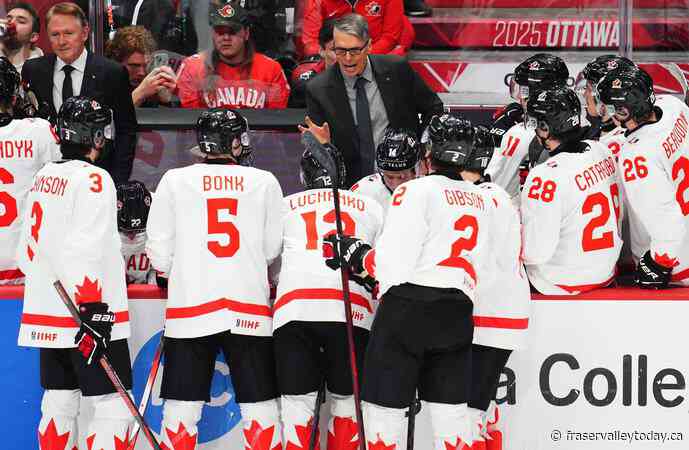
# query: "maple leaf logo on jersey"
180,440
380,445
460,445
344,435
304,435
258,438
373,9
88,292
665,260
50,440
124,444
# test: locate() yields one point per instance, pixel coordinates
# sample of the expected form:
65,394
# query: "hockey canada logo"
534,66
373,9
616,83
226,11
612,64
219,416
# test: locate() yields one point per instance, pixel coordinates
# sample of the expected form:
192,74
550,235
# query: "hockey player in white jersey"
69,234
133,204
570,204
309,317
653,166
396,158
25,146
501,308
214,227
427,263
604,127
511,137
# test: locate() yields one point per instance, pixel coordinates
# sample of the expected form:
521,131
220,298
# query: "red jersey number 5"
227,228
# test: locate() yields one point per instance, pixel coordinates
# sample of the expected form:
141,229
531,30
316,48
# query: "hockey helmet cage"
400,149
222,131
314,176
133,204
82,120
556,111
630,89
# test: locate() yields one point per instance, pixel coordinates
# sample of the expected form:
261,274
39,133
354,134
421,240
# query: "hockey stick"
414,409
328,163
145,397
109,370
320,398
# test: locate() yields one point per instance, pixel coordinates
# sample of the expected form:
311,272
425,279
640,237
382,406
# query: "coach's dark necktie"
67,91
364,128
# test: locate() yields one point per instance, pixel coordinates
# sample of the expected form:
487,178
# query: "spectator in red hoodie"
390,30
231,74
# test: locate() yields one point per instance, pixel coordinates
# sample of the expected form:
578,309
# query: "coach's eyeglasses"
353,51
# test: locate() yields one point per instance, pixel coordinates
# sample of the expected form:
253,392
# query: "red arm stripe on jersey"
321,294
218,305
10,274
586,287
682,275
64,322
501,322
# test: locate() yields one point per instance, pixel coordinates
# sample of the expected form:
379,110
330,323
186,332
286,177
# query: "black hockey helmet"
538,72
451,139
556,111
222,131
482,150
9,80
83,121
133,204
314,176
594,71
627,93
400,149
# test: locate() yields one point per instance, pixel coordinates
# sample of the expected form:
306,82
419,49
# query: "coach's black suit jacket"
405,96
108,83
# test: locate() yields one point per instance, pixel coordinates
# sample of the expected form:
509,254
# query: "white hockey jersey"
70,234
570,208
654,168
433,235
25,146
614,140
214,229
503,296
137,266
504,165
308,290
372,186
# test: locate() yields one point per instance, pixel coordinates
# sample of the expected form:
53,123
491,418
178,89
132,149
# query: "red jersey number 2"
226,228
463,244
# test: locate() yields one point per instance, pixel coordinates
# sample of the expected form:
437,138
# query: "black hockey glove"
650,274
94,334
504,120
346,250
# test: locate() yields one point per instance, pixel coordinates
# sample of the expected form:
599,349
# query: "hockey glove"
346,251
94,334
650,274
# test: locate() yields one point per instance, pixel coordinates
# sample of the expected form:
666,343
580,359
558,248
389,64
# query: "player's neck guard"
659,115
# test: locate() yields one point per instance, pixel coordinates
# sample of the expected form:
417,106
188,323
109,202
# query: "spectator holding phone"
22,27
132,47
231,74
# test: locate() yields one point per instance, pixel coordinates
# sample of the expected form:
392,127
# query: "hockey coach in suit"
72,70
363,94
